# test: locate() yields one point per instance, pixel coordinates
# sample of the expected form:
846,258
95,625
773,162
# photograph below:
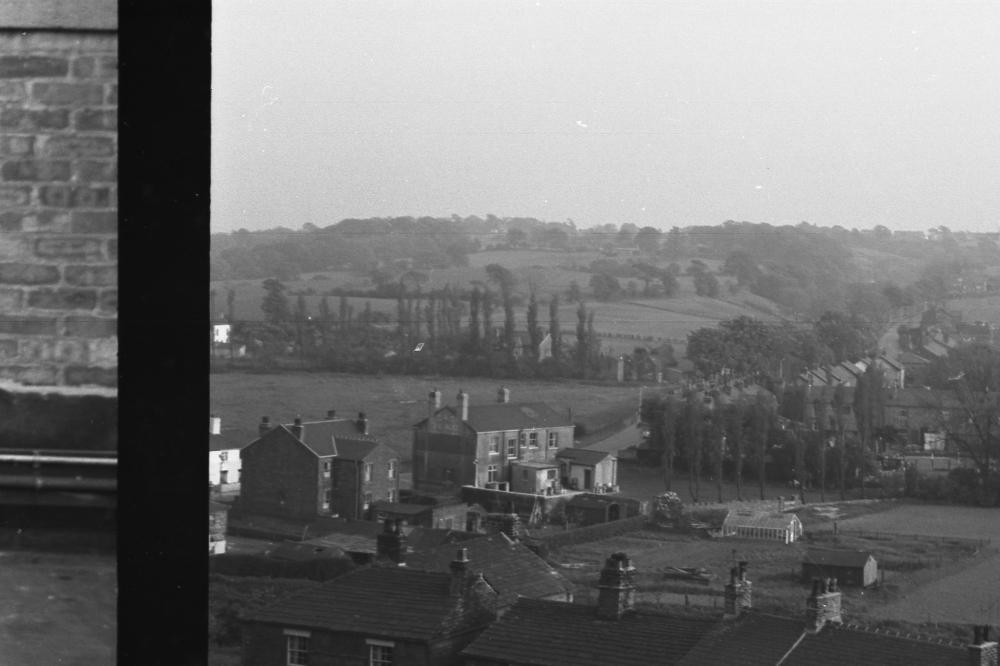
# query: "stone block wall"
58,205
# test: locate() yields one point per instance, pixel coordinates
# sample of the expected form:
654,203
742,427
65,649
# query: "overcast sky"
658,113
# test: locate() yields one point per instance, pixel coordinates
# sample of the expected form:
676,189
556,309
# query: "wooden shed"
855,568
784,527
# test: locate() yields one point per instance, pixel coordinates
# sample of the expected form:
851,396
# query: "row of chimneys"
434,401
265,424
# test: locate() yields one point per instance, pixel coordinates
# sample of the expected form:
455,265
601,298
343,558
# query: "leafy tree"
534,332
742,265
869,408
648,239
474,319
516,238
275,304
574,294
706,284
554,329
708,349
604,286
582,353
847,337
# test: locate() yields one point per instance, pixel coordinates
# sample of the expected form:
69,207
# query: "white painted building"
223,457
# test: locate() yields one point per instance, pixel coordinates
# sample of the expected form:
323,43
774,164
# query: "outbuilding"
784,527
856,568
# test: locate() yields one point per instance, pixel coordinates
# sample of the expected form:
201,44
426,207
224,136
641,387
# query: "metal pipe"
57,483
57,460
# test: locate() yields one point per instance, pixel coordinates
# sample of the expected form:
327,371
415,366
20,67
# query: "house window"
223,456
494,444
551,474
392,469
296,647
491,473
512,447
223,476
326,468
327,496
522,438
553,440
366,501
368,473
532,440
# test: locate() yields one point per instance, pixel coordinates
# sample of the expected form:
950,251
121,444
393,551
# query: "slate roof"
834,646
510,567
355,447
752,640
550,633
396,603
319,436
909,358
428,538
836,558
584,456
514,416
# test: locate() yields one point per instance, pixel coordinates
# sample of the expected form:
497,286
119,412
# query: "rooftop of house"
584,456
510,567
754,639
513,416
428,538
909,358
835,645
395,603
230,439
836,558
551,633
357,536
324,437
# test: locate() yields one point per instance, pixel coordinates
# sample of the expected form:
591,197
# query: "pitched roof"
909,358
552,633
228,440
355,448
921,397
510,567
428,538
320,436
836,558
514,416
845,645
354,537
397,603
584,456
754,639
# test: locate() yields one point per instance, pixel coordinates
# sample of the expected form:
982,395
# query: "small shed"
856,568
588,469
590,509
784,527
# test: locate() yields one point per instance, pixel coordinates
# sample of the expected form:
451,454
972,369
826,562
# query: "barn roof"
836,558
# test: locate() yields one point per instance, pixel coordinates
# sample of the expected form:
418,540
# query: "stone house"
478,445
853,568
319,468
376,616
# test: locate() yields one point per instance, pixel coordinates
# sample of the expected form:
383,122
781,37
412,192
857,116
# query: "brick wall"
58,208
280,477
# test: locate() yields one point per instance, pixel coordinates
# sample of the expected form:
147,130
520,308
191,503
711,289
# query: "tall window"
553,439
491,473
326,468
368,473
380,653
296,647
494,444
522,439
327,496
367,501
511,446
392,469
533,440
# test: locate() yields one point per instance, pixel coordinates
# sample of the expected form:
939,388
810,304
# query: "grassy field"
392,403
986,308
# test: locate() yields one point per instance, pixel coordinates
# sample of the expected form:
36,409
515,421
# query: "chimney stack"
983,651
746,588
362,423
214,425
463,404
823,605
264,427
616,588
503,395
731,596
433,402
459,572
331,414
390,544
297,428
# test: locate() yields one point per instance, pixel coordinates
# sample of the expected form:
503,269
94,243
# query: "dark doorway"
588,479
614,513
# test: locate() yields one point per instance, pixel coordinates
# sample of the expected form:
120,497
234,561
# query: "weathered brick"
10,300
14,196
91,276
90,197
63,299
109,66
21,273
11,220
112,96
14,170
80,146
46,220
113,249
103,352
12,91
67,93
109,301
85,67
19,325
68,248
53,350
29,120
28,66
92,171
96,120
95,222
87,376
8,349
11,144
54,195
89,327
37,376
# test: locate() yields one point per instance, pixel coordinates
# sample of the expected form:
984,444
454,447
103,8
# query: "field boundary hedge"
877,535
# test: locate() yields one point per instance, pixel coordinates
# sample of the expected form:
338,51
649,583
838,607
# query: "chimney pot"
264,426
331,414
463,404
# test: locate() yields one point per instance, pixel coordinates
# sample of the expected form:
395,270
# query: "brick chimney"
616,588
983,651
731,596
823,605
264,427
459,572
362,423
463,404
503,395
390,544
746,587
331,414
214,425
297,427
433,402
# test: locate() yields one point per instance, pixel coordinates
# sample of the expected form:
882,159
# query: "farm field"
393,403
986,308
